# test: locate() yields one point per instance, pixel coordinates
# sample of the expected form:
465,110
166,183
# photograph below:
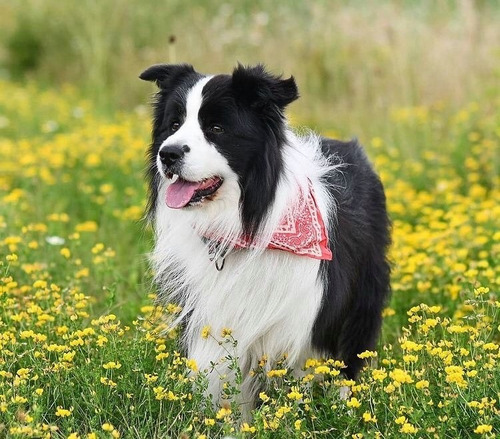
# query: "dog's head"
218,138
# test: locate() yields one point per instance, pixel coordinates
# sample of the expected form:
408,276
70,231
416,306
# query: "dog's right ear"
165,75
260,88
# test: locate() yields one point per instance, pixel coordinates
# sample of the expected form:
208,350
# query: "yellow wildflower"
368,417
367,354
107,427
277,373
63,413
353,402
408,428
205,332
65,252
87,226
322,370
263,397
483,429
422,384
223,412
112,365
295,394
191,364
226,332
246,428
400,376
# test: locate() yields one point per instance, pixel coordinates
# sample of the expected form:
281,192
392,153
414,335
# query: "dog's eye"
216,129
174,126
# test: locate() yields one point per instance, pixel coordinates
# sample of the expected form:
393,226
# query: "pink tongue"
180,193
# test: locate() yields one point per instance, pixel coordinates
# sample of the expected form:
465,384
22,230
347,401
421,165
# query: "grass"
82,351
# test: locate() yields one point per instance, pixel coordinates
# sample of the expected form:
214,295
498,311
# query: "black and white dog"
280,237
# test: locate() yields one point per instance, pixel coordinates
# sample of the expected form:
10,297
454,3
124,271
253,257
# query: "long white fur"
268,298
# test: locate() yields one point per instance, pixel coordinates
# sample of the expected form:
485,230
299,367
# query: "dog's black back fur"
357,279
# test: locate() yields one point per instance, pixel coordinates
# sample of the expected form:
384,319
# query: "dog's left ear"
165,75
259,88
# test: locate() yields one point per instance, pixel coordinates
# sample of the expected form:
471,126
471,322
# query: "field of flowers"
83,354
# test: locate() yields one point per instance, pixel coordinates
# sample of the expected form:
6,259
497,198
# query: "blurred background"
354,61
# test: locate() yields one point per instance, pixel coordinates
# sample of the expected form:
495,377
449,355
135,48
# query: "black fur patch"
357,279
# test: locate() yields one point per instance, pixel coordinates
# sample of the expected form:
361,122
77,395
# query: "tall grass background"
353,60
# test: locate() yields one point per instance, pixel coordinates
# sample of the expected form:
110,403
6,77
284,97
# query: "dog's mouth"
182,193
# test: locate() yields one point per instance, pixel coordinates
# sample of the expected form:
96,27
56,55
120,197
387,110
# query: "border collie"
278,236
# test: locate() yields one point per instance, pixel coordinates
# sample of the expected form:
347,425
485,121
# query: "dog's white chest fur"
269,299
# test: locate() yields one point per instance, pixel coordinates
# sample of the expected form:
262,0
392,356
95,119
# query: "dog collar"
301,231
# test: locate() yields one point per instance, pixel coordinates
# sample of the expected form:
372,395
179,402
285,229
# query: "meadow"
84,353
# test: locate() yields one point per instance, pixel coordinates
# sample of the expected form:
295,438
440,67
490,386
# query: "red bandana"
301,231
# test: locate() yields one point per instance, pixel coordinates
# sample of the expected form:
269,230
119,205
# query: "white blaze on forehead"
194,99
190,132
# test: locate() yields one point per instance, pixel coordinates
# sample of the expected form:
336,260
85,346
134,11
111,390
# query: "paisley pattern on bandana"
301,230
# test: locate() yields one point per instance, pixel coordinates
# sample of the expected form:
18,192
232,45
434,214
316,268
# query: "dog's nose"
169,155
